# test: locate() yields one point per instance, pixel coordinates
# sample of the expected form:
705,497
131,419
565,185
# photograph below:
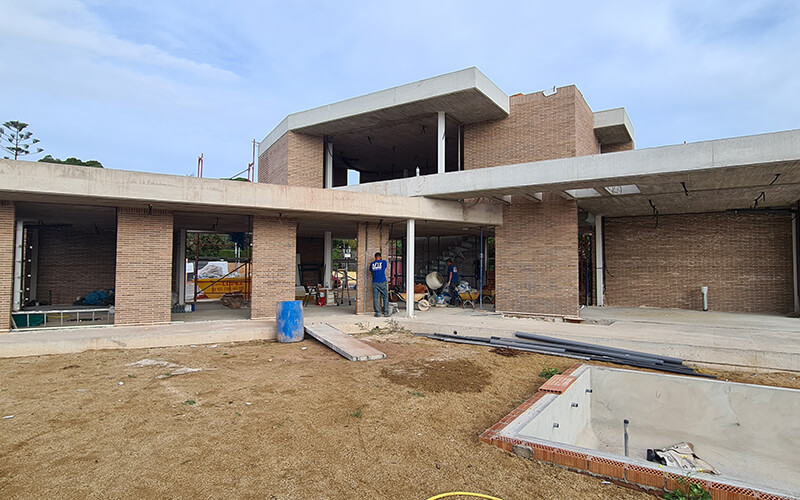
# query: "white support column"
328,165
410,268
16,303
459,134
440,144
328,260
598,251
180,266
794,264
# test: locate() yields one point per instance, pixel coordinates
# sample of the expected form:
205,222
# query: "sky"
150,85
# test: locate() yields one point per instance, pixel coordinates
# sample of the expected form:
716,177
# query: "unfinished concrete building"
574,214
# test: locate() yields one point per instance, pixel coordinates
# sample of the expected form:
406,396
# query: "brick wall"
585,140
144,266
273,164
371,239
537,128
306,160
745,260
294,159
73,262
536,251
620,146
274,255
6,263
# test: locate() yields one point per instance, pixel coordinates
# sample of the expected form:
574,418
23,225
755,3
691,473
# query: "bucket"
434,280
290,321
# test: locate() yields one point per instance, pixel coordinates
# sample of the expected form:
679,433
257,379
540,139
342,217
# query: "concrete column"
19,246
440,143
6,262
143,290
598,258
179,266
274,255
410,235
328,165
794,264
328,260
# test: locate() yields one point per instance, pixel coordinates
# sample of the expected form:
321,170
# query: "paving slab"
350,348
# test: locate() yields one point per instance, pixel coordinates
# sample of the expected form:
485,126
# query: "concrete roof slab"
466,95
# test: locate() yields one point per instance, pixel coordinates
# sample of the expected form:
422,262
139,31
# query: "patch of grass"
358,413
186,462
548,373
238,414
131,376
418,394
167,375
189,402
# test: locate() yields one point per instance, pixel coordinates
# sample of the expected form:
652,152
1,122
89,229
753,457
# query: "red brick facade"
73,262
295,160
6,263
538,128
536,252
371,239
537,245
613,148
745,260
274,255
273,165
144,266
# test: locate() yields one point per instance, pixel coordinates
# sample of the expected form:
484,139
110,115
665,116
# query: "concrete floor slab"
730,339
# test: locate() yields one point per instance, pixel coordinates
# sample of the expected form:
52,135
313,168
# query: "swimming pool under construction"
606,421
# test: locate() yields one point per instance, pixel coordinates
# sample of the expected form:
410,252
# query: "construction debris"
175,369
233,300
540,344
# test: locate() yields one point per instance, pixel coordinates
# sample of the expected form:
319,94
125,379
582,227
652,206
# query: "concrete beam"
626,167
107,187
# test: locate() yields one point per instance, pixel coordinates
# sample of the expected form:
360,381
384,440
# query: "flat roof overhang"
467,96
613,126
36,182
718,175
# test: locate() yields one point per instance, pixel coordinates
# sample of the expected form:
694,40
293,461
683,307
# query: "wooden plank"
350,348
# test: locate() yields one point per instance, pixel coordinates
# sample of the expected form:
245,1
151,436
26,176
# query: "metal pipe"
625,427
554,340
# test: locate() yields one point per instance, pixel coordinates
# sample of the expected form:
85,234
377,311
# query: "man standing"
379,286
452,280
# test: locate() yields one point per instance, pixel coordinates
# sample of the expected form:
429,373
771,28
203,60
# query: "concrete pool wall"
749,433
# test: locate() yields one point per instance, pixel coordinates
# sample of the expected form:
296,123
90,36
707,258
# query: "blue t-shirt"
453,269
378,268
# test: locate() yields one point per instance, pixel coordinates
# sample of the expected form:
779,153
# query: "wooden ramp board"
350,348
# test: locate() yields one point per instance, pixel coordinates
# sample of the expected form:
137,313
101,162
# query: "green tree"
72,161
16,141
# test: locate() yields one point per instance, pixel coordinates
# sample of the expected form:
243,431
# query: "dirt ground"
278,421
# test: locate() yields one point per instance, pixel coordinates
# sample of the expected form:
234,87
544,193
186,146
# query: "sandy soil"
268,420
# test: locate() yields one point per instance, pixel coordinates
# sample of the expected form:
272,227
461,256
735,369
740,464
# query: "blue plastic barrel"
290,321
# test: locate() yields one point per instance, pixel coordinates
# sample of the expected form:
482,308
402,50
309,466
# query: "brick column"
144,266
537,256
371,239
6,263
274,255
